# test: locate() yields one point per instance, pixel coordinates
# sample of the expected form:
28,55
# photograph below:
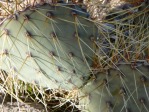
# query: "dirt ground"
9,106
15,107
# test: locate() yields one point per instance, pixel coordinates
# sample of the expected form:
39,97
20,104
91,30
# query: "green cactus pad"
121,89
48,45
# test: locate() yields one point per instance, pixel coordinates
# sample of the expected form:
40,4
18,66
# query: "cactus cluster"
55,46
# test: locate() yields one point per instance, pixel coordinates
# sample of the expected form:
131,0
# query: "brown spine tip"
74,71
28,34
133,65
36,82
32,8
142,100
92,38
143,79
109,104
53,34
128,110
26,17
122,91
13,69
29,54
6,32
49,14
5,52
76,35
71,54
15,17
105,82
69,81
58,69
73,13
52,54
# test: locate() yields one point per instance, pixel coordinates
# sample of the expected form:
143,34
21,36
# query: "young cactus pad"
121,89
48,45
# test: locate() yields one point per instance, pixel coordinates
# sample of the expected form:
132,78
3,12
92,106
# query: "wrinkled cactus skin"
48,45
121,89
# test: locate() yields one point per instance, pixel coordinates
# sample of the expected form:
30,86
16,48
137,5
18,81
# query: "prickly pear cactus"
48,45
121,89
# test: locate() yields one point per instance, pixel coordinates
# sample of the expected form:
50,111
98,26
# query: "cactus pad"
48,45
121,89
